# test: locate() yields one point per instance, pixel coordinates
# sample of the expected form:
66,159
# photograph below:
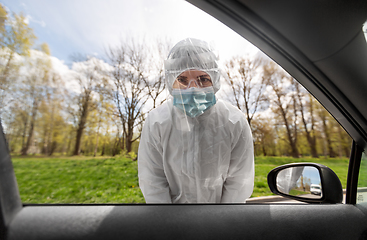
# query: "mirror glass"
300,181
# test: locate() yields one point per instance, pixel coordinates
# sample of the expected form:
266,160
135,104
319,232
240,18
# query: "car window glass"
365,30
362,180
74,132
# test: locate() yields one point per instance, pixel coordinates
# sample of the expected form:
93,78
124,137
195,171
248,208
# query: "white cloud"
42,23
28,19
59,66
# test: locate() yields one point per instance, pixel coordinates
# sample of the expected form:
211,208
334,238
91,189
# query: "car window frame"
10,203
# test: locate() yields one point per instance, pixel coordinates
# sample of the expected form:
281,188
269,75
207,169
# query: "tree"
52,123
16,38
284,103
100,119
35,87
130,76
15,121
345,141
247,84
3,18
264,136
91,76
308,124
326,128
156,85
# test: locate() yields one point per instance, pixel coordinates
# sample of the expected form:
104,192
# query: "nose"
193,83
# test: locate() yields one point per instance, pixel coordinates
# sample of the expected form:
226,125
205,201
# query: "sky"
90,26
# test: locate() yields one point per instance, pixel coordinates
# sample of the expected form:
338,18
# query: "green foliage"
135,146
45,48
132,155
295,192
362,179
18,37
3,18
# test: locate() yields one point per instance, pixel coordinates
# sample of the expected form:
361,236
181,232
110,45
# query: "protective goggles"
193,78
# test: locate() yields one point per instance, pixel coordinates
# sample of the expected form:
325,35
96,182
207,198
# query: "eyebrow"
204,75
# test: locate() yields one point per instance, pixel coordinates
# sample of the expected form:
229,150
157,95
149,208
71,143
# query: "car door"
328,61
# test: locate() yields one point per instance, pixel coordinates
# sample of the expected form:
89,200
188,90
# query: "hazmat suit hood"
188,54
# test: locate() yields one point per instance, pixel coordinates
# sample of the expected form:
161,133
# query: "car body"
321,44
315,189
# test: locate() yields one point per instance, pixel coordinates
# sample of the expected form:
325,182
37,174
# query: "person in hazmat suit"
195,148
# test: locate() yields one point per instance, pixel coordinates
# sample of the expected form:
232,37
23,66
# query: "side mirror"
307,182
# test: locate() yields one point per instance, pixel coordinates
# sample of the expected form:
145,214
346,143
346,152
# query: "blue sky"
89,26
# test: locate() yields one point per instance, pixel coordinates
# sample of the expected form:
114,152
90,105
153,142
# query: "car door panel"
249,221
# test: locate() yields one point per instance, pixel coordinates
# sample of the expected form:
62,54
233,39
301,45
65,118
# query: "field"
115,180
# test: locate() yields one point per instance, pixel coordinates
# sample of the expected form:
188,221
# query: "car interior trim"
10,202
353,170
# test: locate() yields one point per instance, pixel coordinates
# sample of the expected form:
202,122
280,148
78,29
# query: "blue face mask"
194,101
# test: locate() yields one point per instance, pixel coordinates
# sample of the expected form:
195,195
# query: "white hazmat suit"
202,159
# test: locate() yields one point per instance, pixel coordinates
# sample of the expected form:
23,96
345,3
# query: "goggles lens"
194,79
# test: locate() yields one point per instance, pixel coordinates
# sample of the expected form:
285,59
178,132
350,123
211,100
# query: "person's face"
192,78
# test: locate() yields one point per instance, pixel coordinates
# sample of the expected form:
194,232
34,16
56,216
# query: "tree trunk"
310,139
128,146
24,132
264,150
103,147
330,149
129,136
313,148
45,141
295,153
292,140
53,147
50,142
312,144
31,128
79,134
81,126
97,137
6,71
69,144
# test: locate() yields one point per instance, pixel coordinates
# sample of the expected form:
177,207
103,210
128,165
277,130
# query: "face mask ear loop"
187,121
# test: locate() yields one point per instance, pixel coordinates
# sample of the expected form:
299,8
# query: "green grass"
115,180
295,192
77,180
362,179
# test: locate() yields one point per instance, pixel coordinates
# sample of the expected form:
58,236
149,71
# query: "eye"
204,79
182,80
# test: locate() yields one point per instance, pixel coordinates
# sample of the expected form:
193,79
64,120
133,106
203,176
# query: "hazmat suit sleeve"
239,183
152,180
